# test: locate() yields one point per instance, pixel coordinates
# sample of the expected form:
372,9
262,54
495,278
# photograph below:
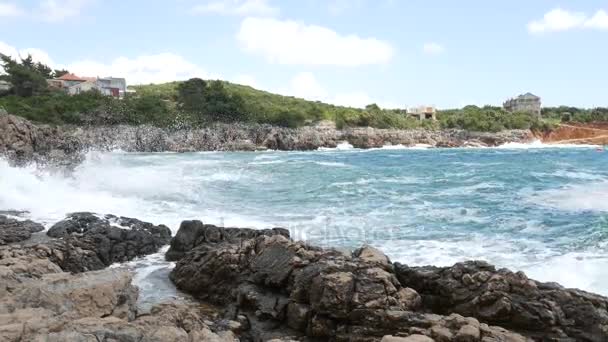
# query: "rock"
23,142
195,233
92,242
411,338
373,255
509,299
468,333
289,290
40,302
12,230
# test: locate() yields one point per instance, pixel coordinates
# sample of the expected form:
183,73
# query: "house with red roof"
72,84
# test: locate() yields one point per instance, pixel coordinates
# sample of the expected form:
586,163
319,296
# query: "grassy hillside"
264,106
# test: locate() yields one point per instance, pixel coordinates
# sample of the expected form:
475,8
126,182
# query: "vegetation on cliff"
198,102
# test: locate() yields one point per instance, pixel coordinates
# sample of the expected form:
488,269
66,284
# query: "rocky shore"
23,141
260,285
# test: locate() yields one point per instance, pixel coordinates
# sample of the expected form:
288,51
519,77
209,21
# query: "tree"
219,105
59,72
24,77
191,95
44,70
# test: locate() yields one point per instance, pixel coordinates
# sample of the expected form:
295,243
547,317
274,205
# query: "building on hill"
112,86
423,112
527,102
72,84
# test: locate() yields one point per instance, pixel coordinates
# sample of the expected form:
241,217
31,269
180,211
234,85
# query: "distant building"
423,112
112,86
82,87
72,84
527,102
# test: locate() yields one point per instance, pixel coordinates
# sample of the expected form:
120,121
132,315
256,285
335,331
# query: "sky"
396,53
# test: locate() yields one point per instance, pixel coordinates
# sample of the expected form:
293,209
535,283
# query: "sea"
542,209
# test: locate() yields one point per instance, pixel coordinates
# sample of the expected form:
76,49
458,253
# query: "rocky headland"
22,141
260,285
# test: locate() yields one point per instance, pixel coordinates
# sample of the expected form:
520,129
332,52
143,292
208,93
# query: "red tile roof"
71,77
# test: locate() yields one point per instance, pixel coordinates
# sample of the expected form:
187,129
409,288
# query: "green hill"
266,107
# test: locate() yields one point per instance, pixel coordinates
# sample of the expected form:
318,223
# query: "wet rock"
509,299
195,233
91,242
289,290
12,230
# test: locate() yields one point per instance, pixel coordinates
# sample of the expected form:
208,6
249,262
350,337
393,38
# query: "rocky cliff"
23,141
576,133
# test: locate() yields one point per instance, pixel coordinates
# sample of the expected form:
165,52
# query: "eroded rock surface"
194,233
12,230
40,302
545,311
280,289
91,241
22,142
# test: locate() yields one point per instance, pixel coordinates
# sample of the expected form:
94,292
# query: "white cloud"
60,10
237,7
305,85
155,68
38,55
294,43
432,48
8,9
247,80
598,21
356,99
559,19
163,67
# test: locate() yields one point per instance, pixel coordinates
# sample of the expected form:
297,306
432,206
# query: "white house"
72,84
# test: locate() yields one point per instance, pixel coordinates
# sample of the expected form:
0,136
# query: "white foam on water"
575,198
331,164
267,162
539,144
585,270
577,270
342,146
404,147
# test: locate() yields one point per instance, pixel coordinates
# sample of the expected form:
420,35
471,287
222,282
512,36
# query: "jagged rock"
93,242
288,290
194,233
22,142
510,299
40,302
12,230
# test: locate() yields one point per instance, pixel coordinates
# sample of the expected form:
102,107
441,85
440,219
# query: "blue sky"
397,53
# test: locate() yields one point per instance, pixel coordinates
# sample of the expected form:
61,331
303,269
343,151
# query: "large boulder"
91,242
194,233
12,230
40,302
280,288
545,311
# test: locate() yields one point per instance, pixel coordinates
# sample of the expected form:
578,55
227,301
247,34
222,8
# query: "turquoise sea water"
540,210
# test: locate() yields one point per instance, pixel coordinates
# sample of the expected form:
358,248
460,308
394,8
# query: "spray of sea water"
542,211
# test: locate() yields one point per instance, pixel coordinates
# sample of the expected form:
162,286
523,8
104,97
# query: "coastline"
25,141
255,285
260,285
